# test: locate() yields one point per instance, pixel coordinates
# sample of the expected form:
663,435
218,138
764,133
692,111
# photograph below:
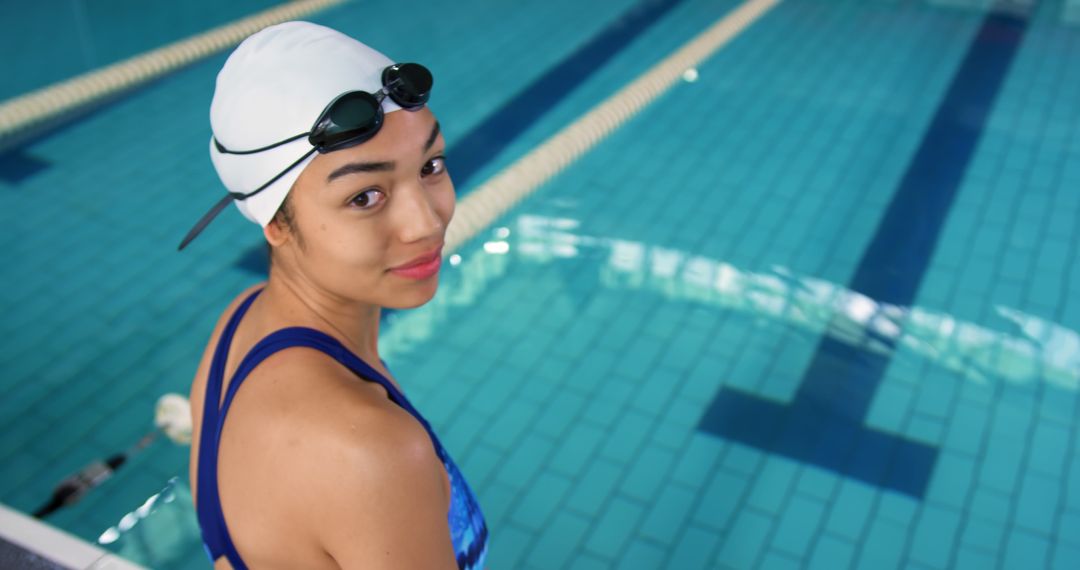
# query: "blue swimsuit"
468,531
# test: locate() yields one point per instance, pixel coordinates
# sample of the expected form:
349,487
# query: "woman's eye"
434,166
368,199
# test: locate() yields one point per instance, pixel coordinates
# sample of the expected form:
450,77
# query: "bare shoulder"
376,493
315,454
316,464
353,431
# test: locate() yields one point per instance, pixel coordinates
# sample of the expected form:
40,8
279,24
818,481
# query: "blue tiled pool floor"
68,38
710,245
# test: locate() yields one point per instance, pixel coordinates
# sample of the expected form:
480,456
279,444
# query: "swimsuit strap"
318,340
216,539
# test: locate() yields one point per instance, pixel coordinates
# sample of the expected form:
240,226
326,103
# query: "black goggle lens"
350,119
409,84
356,116
355,109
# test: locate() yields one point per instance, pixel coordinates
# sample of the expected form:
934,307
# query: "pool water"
815,307
50,40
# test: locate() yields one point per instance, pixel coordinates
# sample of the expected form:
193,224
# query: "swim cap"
274,86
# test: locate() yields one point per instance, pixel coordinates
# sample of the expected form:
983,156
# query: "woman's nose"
418,220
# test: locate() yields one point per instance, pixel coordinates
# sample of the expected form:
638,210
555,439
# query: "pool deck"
27,543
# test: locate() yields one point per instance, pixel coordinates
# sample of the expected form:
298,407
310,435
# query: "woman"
323,462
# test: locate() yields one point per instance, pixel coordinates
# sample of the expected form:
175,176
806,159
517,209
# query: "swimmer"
323,462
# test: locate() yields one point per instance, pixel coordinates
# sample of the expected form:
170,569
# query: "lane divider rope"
25,111
481,207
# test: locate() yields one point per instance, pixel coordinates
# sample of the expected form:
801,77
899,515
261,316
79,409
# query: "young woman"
323,462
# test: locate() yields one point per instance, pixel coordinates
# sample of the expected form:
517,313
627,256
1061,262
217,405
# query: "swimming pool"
48,41
819,227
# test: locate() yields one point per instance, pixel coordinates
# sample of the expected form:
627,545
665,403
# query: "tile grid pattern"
1003,481
769,518
556,401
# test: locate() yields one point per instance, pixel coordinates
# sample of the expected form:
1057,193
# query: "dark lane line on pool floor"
479,146
824,425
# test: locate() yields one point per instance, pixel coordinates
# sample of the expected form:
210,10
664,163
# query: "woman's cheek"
447,203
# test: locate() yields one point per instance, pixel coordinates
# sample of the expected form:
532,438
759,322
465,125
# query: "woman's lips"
421,269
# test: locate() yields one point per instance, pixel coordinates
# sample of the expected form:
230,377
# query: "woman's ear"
275,232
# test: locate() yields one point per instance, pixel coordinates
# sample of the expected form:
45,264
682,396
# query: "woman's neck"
300,302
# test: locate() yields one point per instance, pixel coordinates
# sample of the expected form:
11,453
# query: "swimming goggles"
350,119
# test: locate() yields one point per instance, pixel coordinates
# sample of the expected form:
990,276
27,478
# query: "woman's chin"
413,297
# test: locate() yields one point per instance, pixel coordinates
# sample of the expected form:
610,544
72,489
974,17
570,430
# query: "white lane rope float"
172,417
485,204
41,106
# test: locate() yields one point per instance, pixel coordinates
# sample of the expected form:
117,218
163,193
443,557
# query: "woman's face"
364,214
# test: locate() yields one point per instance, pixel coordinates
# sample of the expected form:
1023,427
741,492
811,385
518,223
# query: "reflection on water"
461,284
161,532
1037,349
1043,349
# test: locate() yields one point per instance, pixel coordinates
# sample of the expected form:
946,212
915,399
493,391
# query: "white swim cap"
274,86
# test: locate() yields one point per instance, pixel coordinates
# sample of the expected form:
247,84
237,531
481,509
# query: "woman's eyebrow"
356,167
431,138
385,166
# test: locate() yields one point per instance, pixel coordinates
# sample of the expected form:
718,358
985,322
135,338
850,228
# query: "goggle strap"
205,220
275,178
221,147
217,208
